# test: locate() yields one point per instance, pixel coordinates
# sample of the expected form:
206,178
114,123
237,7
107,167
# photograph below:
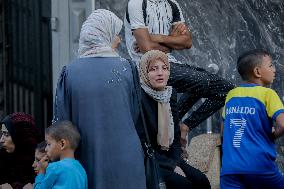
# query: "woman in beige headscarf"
158,105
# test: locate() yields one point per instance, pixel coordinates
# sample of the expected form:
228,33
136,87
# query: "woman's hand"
179,171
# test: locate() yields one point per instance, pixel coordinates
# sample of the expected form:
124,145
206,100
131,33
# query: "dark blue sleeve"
62,101
175,149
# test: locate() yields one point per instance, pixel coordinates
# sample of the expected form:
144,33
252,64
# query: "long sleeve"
62,101
47,180
175,149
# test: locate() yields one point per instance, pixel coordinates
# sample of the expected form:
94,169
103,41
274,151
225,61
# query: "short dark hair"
64,130
249,60
41,147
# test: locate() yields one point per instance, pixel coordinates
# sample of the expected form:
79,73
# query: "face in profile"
267,71
158,74
6,140
38,156
53,148
116,42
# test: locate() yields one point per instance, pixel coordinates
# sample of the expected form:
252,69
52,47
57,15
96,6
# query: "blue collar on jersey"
249,85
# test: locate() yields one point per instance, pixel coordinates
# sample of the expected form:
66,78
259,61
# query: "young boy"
248,141
62,139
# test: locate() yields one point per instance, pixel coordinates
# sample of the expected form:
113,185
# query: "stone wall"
221,31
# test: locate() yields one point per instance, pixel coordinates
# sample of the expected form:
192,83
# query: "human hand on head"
178,29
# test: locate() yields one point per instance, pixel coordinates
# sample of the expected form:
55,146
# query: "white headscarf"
98,33
165,123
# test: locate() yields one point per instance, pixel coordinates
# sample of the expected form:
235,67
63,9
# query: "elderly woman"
19,137
96,92
159,109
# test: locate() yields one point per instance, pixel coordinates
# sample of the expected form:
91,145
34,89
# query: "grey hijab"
98,33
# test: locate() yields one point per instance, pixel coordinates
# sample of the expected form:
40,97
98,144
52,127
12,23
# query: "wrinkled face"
38,156
6,140
158,74
53,148
267,71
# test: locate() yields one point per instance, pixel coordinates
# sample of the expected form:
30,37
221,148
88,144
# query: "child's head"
256,66
39,154
61,137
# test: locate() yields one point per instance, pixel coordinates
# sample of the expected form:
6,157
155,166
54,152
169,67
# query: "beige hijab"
165,135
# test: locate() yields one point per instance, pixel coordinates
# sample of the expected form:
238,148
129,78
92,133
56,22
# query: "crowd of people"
97,118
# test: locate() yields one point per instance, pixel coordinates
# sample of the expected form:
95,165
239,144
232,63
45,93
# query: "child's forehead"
48,138
267,56
266,59
38,153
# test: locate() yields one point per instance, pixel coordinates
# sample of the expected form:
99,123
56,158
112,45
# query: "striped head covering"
98,33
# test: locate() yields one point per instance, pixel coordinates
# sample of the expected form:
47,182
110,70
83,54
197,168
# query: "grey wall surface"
222,30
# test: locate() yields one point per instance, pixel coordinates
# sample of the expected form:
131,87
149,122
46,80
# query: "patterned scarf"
98,33
165,135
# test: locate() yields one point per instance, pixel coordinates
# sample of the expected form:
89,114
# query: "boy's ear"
63,144
257,72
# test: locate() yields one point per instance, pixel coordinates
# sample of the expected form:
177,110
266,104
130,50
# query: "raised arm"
180,38
145,43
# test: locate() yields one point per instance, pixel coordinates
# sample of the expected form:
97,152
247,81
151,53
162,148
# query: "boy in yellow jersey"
249,153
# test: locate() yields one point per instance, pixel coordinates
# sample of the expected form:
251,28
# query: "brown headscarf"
165,135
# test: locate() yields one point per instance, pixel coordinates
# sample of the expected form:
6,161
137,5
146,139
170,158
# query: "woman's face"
6,140
158,74
116,42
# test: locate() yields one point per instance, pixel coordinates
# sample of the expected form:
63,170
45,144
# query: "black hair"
249,60
41,147
64,130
